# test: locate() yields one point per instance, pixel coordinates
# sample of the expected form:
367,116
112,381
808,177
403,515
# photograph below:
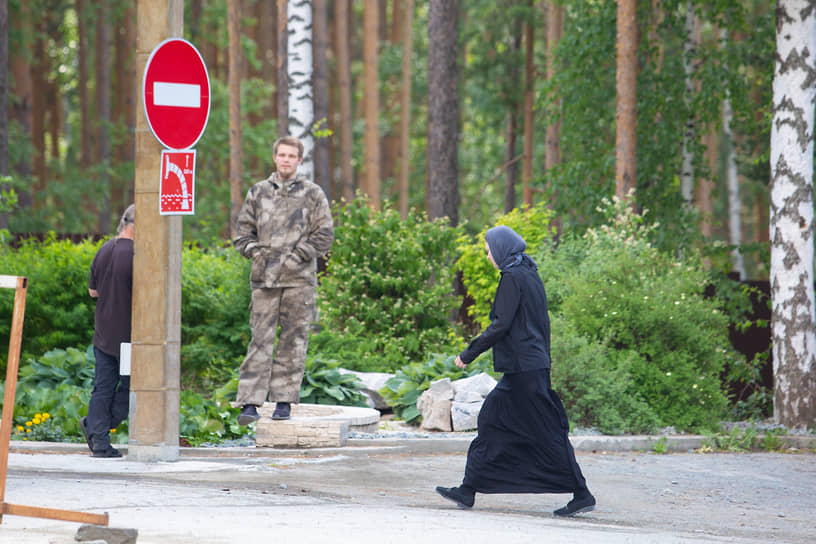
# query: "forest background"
534,121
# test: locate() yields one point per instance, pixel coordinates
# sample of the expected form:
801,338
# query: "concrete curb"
431,444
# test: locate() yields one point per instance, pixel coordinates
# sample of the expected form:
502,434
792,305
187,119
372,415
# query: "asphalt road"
386,495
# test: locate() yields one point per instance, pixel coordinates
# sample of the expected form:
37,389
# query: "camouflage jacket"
283,226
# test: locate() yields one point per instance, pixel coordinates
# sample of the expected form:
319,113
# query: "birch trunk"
689,52
732,182
299,69
791,215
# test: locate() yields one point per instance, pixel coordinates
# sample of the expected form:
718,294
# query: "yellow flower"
28,430
28,424
37,421
20,428
37,416
46,415
25,438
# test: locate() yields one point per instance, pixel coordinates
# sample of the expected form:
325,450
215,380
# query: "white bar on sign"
180,95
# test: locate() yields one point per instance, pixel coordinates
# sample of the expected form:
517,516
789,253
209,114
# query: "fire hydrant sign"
176,94
177,184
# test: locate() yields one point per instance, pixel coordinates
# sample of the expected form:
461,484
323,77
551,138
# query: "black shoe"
283,410
83,426
577,506
462,498
110,452
249,414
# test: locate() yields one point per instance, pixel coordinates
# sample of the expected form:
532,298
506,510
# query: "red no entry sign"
176,93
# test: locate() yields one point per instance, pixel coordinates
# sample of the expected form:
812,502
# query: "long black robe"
522,444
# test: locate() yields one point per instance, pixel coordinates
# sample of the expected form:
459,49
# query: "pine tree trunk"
626,101
83,49
4,72
529,96
125,93
283,68
443,113
371,186
103,112
322,172
236,151
341,32
405,109
300,69
39,72
20,110
791,221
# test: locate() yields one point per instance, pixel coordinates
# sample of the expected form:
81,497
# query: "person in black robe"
522,445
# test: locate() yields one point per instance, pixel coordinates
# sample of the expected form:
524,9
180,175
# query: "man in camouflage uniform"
284,225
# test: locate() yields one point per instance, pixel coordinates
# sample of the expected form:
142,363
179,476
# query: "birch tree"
791,215
689,52
300,69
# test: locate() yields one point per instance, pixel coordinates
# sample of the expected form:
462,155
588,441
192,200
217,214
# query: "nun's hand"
458,362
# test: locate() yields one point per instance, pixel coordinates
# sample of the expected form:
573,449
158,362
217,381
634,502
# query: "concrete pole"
156,330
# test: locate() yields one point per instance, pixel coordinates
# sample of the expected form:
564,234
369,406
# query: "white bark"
791,214
299,67
689,52
732,181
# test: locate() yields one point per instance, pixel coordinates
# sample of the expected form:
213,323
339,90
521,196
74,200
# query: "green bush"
595,385
389,285
59,313
651,312
324,383
479,275
215,332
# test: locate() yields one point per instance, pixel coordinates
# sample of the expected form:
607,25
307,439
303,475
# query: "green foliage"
403,389
209,419
215,299
595,384
478,274
59,383
651,312
661,445
324,383
41,427
58,312
737,440
389,284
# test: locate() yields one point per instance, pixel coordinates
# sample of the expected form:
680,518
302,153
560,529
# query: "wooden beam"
54,513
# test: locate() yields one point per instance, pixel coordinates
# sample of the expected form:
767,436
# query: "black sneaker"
283,410
249,414
83,426
110,452
577,506
462,498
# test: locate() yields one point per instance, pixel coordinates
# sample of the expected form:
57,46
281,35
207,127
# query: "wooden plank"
12,366
54,513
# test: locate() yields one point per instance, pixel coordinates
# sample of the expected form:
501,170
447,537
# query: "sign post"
156,330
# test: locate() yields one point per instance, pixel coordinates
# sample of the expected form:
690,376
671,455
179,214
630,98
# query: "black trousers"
110,398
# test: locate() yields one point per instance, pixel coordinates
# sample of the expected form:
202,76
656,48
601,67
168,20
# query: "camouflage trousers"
276,370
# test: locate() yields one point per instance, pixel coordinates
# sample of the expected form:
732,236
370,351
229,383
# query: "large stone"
480,383
435,406
109,535
372,382
464,415
313,425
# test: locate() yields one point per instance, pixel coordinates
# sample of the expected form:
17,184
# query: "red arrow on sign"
176,93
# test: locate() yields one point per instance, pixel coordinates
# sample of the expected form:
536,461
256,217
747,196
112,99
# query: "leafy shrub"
595,386
403,389
478,274
324,383
389,284
215,332
651,312
59,313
